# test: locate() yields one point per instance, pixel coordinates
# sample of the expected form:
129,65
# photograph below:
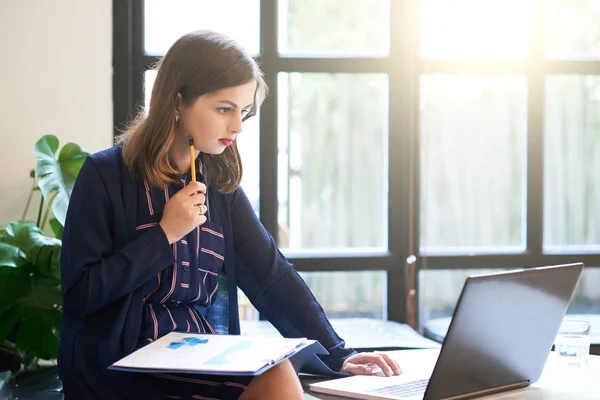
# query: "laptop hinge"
488,391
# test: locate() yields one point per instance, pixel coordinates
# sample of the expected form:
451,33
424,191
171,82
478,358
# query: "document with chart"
179,352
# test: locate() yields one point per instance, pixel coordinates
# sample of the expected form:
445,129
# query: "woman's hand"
184,211
368,363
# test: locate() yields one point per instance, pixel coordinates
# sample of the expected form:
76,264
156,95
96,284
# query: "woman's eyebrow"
232,104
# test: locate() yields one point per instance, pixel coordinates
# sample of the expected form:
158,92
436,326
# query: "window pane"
248,145
572,162
473,137
166,21
573,29
334,27
350,294
585,304
149,78
361,294
332,161
245,308
586,299
439,291
474,29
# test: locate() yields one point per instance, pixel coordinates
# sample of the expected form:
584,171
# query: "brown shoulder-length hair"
196,64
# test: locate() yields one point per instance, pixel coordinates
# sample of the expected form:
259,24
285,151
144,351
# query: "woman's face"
214,120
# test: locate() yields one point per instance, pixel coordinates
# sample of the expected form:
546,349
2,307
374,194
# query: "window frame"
404,67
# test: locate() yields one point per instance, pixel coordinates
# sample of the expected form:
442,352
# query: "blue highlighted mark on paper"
228,354
192,341
187,341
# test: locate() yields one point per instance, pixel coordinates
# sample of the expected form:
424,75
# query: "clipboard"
193,353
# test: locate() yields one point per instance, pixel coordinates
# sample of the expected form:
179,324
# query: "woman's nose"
236,124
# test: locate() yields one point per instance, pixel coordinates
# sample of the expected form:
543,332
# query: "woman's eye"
245,112
224,110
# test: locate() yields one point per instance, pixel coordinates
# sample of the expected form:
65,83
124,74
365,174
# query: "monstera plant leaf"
17,233
14,239
11,256
30,293
22,242
30,296
57,175
57,228
34,314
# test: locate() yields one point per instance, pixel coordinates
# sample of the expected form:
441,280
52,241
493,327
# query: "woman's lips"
226,142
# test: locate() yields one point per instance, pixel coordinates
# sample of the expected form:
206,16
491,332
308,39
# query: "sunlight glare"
474,29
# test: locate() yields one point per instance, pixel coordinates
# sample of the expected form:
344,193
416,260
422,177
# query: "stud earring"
176,118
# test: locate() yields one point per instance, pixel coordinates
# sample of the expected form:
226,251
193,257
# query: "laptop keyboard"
406,389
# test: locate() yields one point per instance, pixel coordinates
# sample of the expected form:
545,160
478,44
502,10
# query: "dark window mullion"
574,67
335,64
537,32
268,118
474,66
571,67
342,263
123,99
535,132
150,60
402,92
505,260
535,164
138,64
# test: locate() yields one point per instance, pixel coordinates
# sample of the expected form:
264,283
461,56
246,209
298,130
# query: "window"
406,144
509,143
473,145
474,29
572,163
441,288
342,28
164,22
333,144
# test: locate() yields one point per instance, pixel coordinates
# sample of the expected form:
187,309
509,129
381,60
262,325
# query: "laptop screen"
503,329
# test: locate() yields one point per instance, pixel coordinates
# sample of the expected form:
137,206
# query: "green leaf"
57,228
58,175
30,296
14,241
13,285
11,256
5,378
22,241
43,252
43,293
17,233
34,309
8,320
38,332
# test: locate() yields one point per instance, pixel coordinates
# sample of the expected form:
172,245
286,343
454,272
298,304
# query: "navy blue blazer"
104,266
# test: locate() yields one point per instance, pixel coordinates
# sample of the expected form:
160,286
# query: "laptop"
499,339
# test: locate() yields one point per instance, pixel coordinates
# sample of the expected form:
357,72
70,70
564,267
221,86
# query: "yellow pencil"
192,160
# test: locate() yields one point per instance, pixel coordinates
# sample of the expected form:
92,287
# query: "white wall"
55,78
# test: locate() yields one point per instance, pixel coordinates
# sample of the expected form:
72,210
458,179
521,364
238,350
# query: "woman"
145,246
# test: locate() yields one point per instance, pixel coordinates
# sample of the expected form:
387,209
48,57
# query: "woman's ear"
178,102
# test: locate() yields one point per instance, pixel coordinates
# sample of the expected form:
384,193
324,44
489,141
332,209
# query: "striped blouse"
170,296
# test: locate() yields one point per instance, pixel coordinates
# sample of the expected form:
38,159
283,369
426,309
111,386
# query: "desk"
556,382
362,334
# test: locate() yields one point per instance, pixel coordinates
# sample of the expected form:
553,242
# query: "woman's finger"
382,363
392,363
357,369
376,358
